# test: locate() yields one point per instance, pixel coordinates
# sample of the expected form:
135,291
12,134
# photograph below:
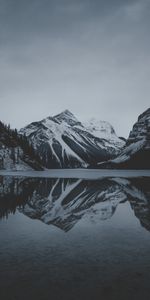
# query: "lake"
74,238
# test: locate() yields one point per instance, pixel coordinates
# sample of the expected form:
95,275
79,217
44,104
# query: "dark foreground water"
74,239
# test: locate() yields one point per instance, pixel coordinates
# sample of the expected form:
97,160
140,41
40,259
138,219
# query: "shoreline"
78,173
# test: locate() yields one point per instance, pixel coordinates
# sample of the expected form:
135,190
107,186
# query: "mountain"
104,130
136,153
15,151
62,141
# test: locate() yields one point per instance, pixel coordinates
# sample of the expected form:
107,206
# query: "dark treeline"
12,139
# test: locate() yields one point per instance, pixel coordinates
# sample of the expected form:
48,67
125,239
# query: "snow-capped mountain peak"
103,130
63,141
67,117
66,113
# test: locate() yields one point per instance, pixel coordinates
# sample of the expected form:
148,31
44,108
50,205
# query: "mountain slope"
63,142
136,153
15,151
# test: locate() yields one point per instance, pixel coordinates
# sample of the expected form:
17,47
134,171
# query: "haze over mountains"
63,141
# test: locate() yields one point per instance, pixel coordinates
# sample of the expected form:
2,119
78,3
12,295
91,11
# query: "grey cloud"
89,56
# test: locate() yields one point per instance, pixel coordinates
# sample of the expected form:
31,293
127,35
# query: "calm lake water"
74,239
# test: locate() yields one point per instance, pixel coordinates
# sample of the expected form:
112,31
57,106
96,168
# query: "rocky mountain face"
141,129
64,202
136,153
64,142
15,151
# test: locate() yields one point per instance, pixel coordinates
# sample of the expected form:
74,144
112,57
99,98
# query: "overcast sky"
90,56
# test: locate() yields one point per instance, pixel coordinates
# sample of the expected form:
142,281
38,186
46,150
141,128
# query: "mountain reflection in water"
64,202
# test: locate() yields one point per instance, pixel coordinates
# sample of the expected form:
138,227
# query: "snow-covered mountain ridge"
103,130
136,153
63,141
